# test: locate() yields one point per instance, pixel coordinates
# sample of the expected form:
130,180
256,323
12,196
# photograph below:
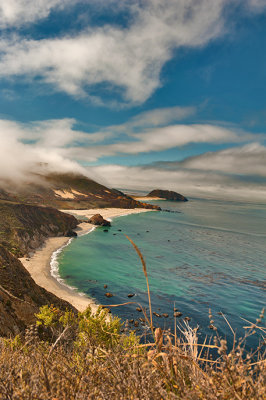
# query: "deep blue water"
210,255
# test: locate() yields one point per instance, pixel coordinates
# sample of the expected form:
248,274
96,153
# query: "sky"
137,94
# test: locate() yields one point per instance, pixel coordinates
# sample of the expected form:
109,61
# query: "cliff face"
167,194
70,191
20,296
25,227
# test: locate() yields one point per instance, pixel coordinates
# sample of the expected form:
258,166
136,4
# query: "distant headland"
159,194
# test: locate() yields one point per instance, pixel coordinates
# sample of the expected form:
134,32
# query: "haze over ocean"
210,255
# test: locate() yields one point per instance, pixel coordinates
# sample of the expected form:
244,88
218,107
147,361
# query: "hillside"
25,227
69,191
20,297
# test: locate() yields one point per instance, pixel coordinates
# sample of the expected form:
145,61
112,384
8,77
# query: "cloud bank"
232,174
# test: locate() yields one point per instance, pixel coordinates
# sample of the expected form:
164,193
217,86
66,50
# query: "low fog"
21,158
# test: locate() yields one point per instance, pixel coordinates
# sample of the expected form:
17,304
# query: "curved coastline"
54,265
39,265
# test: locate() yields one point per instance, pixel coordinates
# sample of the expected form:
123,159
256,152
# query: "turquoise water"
210,254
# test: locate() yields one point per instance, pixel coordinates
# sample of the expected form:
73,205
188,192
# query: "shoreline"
40,267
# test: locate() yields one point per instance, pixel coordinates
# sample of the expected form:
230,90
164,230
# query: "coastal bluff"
20,296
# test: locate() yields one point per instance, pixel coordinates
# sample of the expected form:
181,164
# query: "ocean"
203,255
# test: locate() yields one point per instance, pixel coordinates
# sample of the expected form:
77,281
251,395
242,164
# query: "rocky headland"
167,195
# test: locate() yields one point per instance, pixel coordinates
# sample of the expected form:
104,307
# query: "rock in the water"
105,286
156,314
131,295
108,294
97,219
106,230
178,314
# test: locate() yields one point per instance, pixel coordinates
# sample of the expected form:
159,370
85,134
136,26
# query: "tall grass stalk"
146,276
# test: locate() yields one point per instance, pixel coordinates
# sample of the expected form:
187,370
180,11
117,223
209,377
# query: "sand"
146,198
39,266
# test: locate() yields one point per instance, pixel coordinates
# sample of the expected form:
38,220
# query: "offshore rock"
178,314
108,294
97,219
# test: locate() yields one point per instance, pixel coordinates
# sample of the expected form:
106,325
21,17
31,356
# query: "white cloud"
160,139
20,12
256,5
129,59
246,160
160,116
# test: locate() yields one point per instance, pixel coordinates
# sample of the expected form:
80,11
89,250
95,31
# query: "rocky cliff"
25,227
20,296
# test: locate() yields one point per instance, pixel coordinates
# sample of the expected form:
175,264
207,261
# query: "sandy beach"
147,198
39,264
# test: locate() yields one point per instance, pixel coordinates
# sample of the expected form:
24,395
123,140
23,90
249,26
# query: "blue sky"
139,93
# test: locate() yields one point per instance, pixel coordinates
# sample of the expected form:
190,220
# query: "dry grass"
64,367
